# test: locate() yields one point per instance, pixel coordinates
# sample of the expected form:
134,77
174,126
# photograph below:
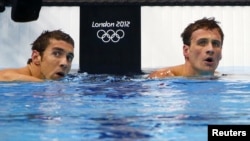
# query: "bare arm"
161,73
14,75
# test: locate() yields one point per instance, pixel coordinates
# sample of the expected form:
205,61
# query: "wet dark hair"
204,23
42,42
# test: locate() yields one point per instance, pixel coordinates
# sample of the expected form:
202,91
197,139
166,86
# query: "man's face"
56,60
204,52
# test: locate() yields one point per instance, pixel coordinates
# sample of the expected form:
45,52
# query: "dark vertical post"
110,39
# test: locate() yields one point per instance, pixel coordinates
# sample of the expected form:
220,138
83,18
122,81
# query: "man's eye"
57,53
216,43
70,57
202,43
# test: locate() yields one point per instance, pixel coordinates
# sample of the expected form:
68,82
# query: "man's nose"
64,63
210,49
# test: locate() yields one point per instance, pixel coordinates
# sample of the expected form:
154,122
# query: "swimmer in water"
51,58
202,50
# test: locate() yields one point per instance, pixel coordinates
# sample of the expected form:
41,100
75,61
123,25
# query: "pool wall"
161,27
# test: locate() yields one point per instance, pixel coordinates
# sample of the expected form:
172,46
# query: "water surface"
108,108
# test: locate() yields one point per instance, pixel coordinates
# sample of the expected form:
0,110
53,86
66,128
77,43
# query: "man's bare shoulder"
16,74
7,73
161,73
166,72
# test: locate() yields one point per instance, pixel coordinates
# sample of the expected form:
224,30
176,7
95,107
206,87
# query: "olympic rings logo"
110,35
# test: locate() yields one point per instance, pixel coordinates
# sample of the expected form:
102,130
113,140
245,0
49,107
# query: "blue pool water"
128,108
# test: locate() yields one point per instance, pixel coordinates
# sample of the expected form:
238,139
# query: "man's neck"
34,70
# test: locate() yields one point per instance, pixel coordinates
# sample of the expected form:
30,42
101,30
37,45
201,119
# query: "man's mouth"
61,74
209,59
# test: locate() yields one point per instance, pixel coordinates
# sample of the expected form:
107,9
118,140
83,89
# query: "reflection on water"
105,107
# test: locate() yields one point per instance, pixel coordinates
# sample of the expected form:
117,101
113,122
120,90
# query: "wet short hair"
204,23
42,42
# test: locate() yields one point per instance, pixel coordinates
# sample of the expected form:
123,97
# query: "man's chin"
57,77
209,69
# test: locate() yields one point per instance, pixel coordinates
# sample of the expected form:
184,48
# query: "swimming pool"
107,107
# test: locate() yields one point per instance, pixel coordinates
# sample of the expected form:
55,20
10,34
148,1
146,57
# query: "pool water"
85,107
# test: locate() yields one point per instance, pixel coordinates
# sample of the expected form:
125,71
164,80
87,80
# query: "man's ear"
36,57
186,51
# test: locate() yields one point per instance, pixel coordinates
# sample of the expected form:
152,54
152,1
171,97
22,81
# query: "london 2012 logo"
110,31
110,35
